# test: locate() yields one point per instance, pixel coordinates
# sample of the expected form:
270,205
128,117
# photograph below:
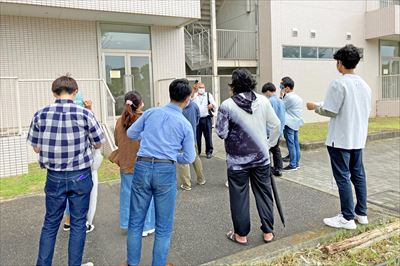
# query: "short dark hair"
242,81
179,90
64,84
268,87
288,82
349,56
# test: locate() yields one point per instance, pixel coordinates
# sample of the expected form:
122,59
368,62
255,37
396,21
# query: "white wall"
331,20
175,8
168,59
233,15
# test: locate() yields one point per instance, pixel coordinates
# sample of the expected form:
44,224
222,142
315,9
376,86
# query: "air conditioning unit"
313,34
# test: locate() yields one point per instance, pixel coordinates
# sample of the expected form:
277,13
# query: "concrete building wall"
234,15
175,8
168,56
331,20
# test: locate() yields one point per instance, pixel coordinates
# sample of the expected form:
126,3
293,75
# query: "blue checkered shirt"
65,132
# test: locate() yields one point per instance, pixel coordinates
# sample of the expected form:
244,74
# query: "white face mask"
202,91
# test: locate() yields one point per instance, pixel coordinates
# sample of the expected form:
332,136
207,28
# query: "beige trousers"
183,171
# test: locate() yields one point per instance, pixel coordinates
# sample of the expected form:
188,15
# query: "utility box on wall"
13,155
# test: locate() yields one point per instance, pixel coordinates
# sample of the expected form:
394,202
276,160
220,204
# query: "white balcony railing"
390,87
386,3
236,44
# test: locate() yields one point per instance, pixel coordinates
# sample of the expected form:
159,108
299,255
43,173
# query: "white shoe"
227,184
88,264
148,232
361,219
339,222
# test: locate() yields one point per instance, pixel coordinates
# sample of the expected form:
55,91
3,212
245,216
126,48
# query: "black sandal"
269,241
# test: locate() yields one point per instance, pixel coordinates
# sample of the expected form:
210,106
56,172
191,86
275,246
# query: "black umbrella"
277,200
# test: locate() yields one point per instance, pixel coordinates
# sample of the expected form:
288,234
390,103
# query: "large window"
390,57
125,37
305,52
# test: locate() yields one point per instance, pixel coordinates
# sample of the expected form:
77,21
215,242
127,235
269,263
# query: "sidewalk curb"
268,252
312,145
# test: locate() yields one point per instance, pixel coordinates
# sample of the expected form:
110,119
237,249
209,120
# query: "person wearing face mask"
206,103
293,120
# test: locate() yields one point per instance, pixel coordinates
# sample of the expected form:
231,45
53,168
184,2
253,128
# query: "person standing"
125,157
348,104
63,135
242,123
166,138
294,110
269,91
192,114
206,103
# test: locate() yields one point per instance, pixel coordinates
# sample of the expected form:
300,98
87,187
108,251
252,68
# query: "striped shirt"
64,133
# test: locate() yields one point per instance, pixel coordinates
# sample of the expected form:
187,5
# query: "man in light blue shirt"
269,91
166,138
294,110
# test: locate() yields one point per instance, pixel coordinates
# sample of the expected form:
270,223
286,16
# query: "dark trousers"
205,127
348,168
277,156
239,198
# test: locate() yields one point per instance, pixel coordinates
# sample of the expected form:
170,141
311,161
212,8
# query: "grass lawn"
318,131
382,251
33,181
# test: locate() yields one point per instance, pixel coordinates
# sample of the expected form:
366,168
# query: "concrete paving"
202,214
201,221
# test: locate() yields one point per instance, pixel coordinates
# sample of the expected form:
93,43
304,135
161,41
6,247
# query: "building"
297,39
110,47
113,46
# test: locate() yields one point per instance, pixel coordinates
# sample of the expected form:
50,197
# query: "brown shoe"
169,264
124,264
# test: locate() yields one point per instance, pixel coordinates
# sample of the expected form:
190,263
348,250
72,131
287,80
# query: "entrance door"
127,72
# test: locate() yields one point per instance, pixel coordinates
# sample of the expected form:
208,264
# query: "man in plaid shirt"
64,134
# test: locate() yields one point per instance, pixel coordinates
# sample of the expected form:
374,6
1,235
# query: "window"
325,53
125,37
308,52
291,52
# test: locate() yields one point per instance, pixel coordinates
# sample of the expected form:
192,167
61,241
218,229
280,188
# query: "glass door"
126,72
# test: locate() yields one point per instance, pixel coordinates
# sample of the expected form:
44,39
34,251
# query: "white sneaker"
361,219
148,232
339,222
88,264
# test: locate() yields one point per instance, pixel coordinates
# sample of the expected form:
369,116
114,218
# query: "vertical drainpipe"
214,58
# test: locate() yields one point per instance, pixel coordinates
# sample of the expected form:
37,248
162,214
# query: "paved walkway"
202,215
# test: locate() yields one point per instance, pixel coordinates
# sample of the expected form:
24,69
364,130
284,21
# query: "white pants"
93,198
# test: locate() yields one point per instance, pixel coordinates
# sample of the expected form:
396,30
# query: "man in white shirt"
348,104
206,103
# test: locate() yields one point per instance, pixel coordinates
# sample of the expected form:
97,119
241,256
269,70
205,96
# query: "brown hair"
64,84
133,100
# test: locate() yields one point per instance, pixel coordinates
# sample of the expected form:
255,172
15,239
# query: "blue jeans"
157,180
124,204
74,186
293,145
348,168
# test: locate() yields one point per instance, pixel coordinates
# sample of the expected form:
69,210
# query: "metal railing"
386,3
236,44
17,109
390,87
197,46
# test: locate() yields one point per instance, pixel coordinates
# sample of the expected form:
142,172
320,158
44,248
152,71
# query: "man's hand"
88,104
311,106
210,106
